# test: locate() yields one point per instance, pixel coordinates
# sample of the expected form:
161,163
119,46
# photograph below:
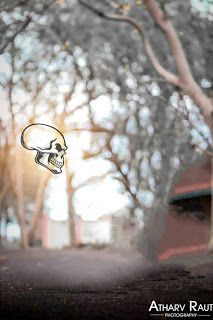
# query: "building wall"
124,232
96,232
57,234
183,234
195,178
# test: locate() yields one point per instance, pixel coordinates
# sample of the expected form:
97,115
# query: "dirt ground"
97,284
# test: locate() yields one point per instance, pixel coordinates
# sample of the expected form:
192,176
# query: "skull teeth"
56,163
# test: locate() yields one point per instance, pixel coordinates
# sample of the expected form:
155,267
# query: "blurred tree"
44,82
183,80
17,180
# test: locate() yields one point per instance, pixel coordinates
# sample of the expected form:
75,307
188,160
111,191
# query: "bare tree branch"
170,77
94,129
13,37
166,26
4,191
24,25
38,205
93,180
184,80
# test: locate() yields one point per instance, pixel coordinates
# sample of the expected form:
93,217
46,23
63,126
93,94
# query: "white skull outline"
49,143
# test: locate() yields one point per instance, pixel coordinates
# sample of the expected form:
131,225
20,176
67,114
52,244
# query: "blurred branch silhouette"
12,38
184,79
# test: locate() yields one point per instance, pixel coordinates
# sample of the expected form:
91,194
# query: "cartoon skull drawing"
49,144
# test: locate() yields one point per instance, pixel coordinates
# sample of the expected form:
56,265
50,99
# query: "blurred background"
130,133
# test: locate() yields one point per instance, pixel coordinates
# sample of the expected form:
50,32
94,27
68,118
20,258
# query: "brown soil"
96,284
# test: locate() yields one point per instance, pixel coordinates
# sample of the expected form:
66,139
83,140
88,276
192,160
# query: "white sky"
91,201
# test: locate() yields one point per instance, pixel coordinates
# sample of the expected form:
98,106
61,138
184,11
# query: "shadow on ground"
95,284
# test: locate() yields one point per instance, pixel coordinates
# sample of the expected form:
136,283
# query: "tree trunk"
71,213
149,238
37,214
4,192
20,199
210,244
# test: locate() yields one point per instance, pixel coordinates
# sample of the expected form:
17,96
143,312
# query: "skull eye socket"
58,147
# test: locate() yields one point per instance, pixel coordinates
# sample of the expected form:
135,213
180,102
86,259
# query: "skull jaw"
43,160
